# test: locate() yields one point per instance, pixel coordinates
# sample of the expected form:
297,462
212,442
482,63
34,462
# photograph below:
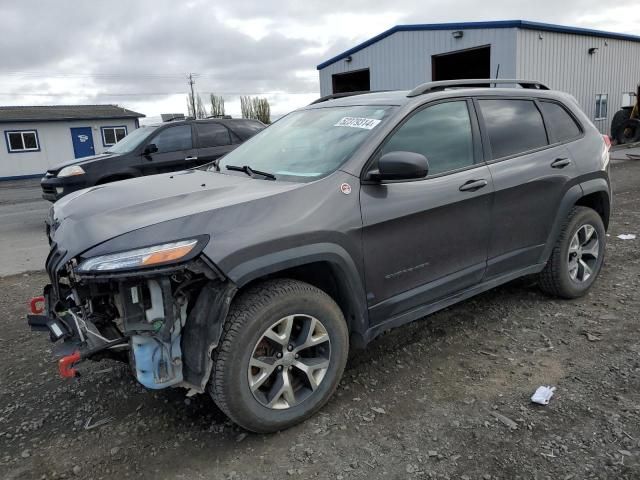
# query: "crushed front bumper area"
164,322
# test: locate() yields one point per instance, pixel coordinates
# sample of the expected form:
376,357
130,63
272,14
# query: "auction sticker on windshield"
357,122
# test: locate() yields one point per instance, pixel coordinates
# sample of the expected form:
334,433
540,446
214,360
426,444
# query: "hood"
81,161
92,216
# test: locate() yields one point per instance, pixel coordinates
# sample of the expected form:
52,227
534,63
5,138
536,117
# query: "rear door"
175,150
531,171
428,238
213,140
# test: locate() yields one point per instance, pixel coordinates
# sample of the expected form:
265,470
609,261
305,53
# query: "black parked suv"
148,150
252,279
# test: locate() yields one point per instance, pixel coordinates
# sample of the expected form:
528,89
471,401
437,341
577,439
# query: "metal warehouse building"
600,69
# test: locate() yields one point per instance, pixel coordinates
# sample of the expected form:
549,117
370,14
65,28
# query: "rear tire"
619,118
628,132
279,333
577,256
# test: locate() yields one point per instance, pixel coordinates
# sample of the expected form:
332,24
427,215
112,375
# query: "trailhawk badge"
345,188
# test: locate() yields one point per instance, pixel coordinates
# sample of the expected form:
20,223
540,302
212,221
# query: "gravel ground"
446,397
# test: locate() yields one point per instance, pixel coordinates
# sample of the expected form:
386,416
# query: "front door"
426,239
175,151
82,139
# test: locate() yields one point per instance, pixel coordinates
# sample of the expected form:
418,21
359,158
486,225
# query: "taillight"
607,141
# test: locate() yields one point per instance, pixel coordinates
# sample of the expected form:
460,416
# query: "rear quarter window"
246,128
513,126
562,127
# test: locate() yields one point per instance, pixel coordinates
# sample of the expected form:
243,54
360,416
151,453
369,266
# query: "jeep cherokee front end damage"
147,306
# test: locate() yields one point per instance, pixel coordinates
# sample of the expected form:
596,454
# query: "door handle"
560,163
188,159
473,185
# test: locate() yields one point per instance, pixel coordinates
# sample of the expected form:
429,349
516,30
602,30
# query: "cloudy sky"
137,53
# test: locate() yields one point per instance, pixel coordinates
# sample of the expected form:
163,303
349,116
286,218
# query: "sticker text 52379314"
357,122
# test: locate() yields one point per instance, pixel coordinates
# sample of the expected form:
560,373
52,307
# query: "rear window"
212,135
514,126
562,126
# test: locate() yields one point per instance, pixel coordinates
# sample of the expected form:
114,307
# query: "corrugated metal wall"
563,62
403,60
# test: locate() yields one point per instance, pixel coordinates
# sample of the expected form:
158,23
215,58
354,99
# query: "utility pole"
193,97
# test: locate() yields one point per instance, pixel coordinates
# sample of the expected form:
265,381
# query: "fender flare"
342,264
596,185
571,197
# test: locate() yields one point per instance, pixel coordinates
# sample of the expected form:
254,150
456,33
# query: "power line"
95,74
147,94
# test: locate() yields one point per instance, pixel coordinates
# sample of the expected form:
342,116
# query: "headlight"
141,257
71,171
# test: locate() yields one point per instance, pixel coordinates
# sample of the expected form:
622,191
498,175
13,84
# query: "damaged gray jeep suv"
252,277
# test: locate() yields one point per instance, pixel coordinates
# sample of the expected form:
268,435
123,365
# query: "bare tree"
246,107
197,110
201,112
217,105
191,111
256,108
262,110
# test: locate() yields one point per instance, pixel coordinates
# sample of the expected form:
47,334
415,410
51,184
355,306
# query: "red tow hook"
65,365
34,305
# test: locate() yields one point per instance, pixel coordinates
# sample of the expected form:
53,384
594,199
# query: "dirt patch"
428,400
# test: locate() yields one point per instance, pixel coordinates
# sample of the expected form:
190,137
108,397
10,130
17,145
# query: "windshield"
307,144
132,141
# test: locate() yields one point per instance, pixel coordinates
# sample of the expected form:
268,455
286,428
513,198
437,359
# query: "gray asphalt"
23,243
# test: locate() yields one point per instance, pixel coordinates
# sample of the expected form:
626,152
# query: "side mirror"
149,149
400,166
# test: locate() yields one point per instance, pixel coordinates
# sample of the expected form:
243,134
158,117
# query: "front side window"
112,135
173,139
601,106
561,125
308,144
22,141
442,133
514,126
212,135
133,140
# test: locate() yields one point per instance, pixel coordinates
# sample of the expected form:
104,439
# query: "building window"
22,141
628,99
112,135
601,106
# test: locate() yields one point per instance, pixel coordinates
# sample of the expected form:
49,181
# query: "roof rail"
475,82
344,94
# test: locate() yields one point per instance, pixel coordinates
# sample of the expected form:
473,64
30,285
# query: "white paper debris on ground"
543,394
627,236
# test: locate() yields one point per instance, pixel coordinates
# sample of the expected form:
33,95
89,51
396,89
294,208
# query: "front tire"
577,256
282,353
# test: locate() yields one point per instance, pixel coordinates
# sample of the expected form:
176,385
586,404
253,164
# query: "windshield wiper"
251,172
